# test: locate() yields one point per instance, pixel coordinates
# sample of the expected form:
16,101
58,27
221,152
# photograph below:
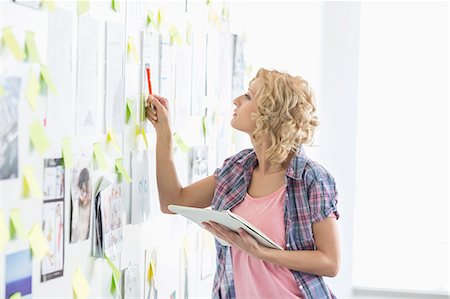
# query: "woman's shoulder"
315,172
234,161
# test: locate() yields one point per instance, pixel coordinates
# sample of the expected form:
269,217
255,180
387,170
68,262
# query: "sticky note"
175,36
30,47
67,152
2,91
16,295
111,137
180,142
45,75
204,126
31,185
83,6
80,285
121,170
51,5
4,232
188,33
115,279
145,137
150,272
150,18
38,137
160,19
16,227
38,242
10,41
130,111
33,89
100,156
115,5
131,49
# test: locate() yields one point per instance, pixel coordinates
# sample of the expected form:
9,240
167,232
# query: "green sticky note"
180,142
38,242
30,48
2,91
31,185
38,137
45,75
175,36
204,126
16,295
100,156
150,18
83,6
130,111
4,232
115,5
67,152
10,41
115,279
121,170
33,89
160,18
145,137
16,226
80,285
51,5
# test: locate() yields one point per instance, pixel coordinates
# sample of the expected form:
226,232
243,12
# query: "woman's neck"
264,168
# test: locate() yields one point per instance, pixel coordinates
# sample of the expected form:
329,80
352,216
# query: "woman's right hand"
159,116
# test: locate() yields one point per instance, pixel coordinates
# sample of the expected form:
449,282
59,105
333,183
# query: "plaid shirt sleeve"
322,196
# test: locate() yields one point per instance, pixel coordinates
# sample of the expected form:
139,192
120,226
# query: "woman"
291,198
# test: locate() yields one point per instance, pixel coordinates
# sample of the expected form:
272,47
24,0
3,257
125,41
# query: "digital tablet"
225,218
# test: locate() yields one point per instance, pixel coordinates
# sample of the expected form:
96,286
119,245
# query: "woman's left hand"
240,239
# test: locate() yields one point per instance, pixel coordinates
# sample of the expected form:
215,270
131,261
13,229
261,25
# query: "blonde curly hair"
286,113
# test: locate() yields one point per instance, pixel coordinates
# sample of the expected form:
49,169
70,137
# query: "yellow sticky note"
30,47
121,170
45,75
83,6
150,18
150,272
145,137
2,91
38,242
175,36
5,235
161,18
188,33
100,156
16,295
111,137
16,226
33,89
131,49
115,5
10,41
80,285
67,152
31,185
51,5
130,111
180,142
38,137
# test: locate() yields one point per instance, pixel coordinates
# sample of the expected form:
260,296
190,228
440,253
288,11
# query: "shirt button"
301,287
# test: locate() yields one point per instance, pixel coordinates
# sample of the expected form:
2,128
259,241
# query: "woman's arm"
324,261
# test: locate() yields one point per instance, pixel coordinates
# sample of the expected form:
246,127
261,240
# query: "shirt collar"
294,171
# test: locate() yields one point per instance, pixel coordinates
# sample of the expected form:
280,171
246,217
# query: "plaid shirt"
311,196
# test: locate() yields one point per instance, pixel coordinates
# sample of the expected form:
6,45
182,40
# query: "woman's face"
245,106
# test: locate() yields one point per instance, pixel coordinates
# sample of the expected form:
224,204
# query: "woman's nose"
236,101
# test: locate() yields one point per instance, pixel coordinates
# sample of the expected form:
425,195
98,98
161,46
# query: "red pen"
147,68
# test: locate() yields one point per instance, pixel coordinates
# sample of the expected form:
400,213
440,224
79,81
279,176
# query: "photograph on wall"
18,278
53,178
81,198
108,235
9,111
52,264
140,195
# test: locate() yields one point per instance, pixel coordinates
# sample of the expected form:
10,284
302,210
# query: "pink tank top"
255,278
